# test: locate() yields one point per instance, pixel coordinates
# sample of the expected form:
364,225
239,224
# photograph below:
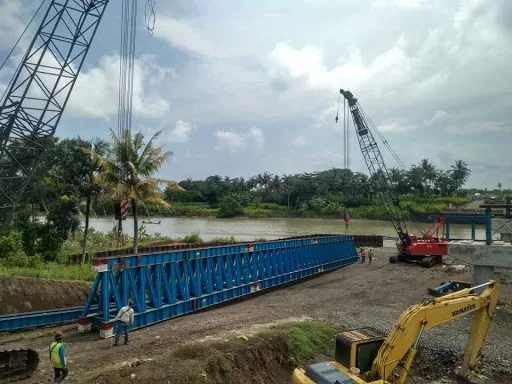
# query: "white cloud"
396,127
289,66
181,132
256,138
327,117
415,4
13,22
234,141
300,141
182,35
438,115
97,89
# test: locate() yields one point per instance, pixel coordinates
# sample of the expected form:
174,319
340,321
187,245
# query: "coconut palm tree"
460,173
429,173
130,169
91,188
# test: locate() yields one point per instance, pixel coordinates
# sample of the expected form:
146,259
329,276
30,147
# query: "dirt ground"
355,296
26,294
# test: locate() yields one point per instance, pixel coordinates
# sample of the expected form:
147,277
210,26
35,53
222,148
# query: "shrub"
11,244
230,207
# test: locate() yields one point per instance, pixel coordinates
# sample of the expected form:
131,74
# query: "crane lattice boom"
39,92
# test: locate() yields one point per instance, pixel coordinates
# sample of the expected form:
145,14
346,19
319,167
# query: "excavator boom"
394,354
434,312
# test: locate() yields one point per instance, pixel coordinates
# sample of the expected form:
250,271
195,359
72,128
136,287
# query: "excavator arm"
404,337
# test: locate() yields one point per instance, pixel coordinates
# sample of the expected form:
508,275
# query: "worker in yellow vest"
58,358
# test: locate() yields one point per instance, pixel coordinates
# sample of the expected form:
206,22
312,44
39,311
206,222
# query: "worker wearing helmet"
124,319
58,358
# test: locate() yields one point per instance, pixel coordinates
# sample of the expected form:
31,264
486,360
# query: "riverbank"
421,208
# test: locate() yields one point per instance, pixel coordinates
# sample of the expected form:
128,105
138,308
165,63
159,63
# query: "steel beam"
164,285
18,321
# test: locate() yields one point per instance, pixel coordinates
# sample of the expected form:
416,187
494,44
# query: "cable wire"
150,16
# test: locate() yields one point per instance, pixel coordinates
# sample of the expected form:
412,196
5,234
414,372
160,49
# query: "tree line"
335,188
78,177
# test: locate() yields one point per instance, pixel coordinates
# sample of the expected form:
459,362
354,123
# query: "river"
250,229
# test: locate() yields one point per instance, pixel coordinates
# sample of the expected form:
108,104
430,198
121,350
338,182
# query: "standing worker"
124,319
362,252
370,255
58,358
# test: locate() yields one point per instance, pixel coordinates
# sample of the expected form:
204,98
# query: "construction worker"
58,358
124,319
362,253
370,255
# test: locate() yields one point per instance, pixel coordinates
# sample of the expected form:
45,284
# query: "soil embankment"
19,295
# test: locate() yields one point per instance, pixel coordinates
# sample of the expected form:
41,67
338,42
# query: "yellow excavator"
365,356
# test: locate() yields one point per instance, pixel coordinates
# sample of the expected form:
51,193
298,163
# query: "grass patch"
230,239
191,351
309,339
50,271
193,238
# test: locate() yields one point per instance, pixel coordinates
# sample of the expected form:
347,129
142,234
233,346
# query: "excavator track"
17,364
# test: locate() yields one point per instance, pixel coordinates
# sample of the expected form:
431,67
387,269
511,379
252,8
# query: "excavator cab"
358,348
354,355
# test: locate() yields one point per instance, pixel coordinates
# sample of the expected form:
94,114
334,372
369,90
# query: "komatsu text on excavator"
365,356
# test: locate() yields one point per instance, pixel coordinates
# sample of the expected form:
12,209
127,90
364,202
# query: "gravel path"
356,296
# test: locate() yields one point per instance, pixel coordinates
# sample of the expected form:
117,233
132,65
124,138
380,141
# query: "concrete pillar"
488,225
473,230
482,274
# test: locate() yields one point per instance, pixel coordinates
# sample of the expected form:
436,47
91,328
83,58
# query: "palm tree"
460,173
130,171
99,147
429,173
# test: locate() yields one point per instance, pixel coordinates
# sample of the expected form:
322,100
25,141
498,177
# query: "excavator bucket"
17,364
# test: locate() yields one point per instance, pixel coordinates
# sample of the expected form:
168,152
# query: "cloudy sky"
242,87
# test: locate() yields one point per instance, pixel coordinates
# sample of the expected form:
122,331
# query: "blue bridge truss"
167,284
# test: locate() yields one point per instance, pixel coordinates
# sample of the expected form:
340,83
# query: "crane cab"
354,355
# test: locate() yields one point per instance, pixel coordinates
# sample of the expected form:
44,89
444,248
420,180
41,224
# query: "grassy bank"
373,211
21,265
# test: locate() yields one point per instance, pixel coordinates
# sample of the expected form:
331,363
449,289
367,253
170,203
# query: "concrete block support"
483,257
478,253
481,275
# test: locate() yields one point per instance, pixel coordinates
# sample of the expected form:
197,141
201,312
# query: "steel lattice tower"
39,92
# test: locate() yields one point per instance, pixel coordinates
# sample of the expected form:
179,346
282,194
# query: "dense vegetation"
75,176
329,193
78,178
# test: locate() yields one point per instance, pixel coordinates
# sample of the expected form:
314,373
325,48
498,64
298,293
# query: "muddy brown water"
250,229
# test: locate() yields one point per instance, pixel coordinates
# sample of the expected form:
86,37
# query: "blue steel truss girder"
16,321
166,285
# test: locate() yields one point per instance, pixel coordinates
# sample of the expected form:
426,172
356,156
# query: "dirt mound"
259,360
25,294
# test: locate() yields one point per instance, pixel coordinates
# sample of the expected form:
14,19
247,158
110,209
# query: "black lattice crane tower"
39,91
